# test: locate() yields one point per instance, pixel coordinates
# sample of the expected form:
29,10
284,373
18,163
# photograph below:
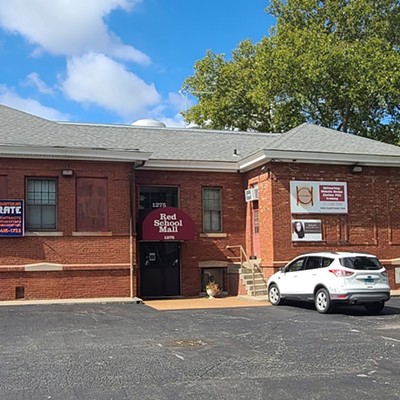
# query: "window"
326,262
41,204
216,275
151,198
362,263
212,210
256,221
91,205
312,263
295,266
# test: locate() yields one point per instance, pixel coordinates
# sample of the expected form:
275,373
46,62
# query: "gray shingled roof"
308,137
21,129
176,143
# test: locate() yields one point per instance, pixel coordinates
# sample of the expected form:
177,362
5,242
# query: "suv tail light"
341,273
384,273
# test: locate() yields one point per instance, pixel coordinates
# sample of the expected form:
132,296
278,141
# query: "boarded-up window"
3,187
91,205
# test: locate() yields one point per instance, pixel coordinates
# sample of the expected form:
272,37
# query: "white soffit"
188,165
73,153
264,156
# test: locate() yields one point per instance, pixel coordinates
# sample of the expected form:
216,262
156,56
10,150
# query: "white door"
290,278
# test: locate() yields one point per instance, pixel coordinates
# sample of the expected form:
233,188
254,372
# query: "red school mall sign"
168,223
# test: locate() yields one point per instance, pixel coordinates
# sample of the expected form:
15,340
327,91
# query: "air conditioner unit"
251,194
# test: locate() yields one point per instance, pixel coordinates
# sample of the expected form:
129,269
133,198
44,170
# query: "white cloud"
173,105
70,28
175,121
97,79
34,80
9,97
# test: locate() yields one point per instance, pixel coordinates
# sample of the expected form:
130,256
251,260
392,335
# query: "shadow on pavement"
345,310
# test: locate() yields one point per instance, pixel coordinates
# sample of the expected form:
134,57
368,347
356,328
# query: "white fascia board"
65,153
257,159
190,165
253,161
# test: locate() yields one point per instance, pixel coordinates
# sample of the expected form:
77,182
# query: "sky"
115,61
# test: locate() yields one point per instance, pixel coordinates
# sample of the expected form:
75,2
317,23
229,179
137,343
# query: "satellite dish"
153,123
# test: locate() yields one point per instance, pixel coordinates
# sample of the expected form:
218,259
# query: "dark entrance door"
159,269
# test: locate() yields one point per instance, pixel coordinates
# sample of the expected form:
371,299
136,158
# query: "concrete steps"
255,283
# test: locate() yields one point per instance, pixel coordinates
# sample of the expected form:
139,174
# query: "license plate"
368,281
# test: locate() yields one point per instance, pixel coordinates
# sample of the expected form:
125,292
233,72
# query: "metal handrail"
243,253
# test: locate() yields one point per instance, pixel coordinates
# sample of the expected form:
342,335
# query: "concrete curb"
132,300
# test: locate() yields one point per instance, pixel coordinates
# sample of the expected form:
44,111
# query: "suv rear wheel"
376,307
322,301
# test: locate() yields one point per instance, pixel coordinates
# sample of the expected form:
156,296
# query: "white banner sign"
308,197
306,230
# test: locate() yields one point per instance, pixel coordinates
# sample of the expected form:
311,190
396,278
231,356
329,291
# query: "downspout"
132,223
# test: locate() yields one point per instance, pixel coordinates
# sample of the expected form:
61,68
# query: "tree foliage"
335,63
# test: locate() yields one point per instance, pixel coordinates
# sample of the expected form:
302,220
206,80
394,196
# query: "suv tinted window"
295,265
326,262
361,263
312,262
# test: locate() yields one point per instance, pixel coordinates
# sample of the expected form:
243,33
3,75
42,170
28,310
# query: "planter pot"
212,293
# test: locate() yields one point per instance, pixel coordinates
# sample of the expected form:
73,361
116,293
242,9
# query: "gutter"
132,224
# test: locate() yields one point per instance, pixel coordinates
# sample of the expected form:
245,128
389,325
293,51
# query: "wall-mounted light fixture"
67,172
356,169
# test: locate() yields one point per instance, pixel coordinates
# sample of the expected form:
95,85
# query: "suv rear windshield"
361,263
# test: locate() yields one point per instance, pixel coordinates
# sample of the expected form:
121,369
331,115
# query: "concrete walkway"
206,302
163,304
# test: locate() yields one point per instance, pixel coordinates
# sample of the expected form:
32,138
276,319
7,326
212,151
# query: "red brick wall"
99,265
65,284
372,224
88,254
94,258
233,218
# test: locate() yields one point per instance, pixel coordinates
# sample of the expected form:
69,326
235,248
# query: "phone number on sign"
10,230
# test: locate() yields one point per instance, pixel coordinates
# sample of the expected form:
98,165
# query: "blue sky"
114,61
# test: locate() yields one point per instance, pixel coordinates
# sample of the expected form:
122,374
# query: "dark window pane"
212,210
41,204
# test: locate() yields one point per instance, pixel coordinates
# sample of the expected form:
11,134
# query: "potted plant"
212,289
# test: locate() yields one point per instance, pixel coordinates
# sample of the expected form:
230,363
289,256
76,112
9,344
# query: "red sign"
168,223
331,193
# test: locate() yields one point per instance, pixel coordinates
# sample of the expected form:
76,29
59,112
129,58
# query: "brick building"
105,210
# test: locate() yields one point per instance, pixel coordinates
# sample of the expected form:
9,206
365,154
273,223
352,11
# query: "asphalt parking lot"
133,351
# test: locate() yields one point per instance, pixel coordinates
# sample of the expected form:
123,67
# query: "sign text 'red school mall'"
168,223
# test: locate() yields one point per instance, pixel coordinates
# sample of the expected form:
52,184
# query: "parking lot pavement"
133,351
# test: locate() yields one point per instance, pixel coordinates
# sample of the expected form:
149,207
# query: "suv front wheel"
322,301
274,295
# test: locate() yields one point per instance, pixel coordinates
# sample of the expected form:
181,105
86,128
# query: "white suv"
332,277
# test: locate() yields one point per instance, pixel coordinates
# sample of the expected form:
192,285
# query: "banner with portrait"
306,230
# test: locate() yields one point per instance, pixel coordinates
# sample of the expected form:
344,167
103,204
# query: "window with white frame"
41,204
212,210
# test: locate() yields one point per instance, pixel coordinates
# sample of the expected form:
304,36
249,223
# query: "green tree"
335,63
